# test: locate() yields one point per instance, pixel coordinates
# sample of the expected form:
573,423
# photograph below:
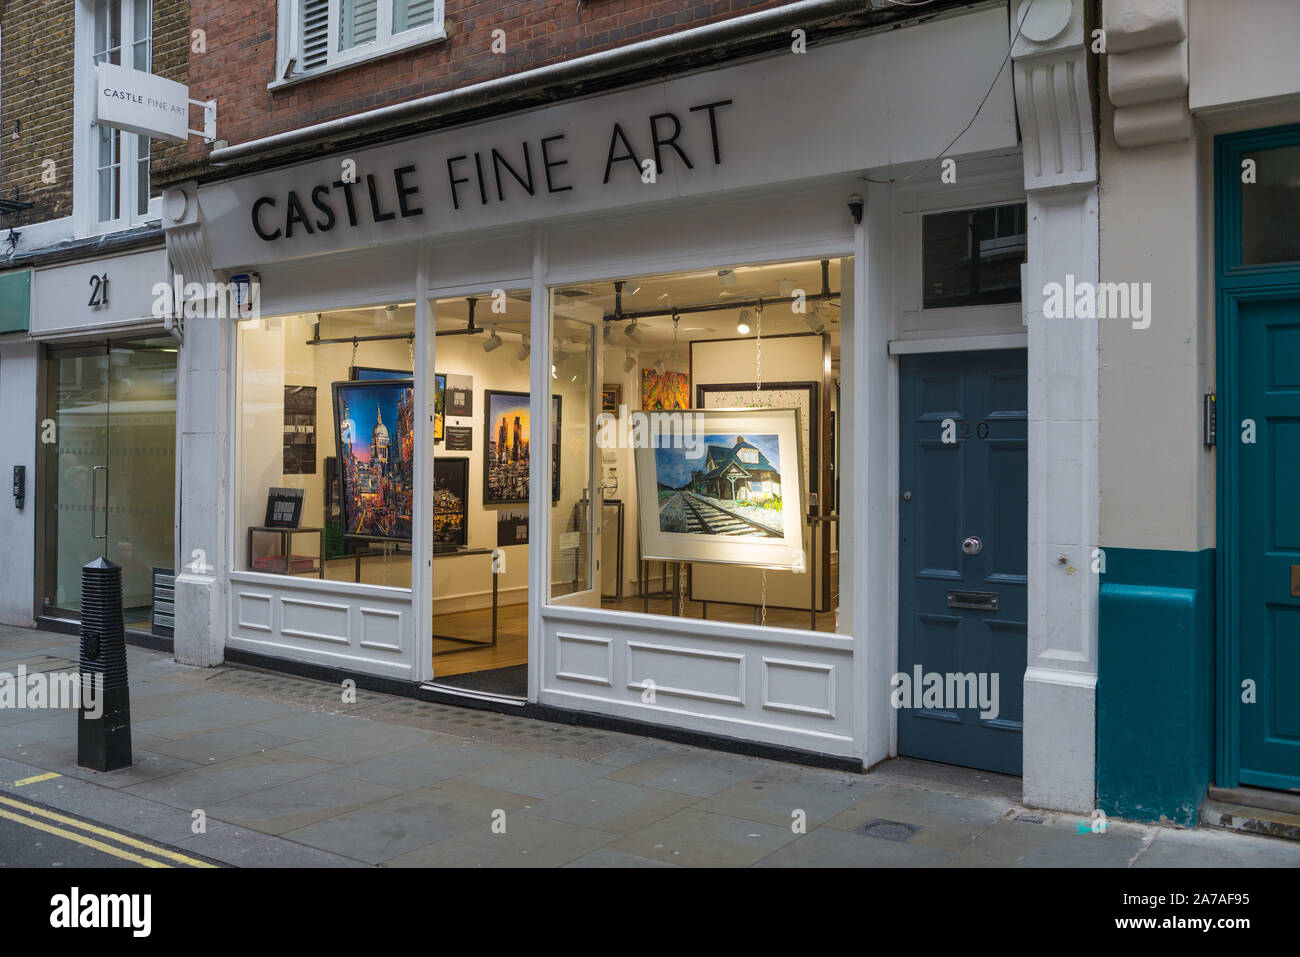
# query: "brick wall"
171,59
36,93
36,90
241,46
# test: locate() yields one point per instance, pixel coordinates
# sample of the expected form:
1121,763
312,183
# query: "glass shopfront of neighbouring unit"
108,476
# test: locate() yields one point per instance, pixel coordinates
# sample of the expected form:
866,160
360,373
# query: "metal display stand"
286,549
472,643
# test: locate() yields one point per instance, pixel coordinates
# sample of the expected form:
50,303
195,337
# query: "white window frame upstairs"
87,133
289,67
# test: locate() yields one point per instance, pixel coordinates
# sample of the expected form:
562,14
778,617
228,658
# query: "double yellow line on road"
40,818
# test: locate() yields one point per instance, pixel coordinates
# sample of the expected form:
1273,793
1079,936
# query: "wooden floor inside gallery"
512,630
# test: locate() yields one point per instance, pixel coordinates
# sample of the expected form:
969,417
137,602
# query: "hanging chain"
410,348
354,351
758,388
681,566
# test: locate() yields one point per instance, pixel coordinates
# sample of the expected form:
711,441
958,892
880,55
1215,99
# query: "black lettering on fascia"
379,215
548,164
324,207
611,159
257,224
713,126
294,213
347,198
404,191
499,161
451,175
670,141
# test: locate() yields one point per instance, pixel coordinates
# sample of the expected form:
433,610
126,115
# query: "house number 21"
99,290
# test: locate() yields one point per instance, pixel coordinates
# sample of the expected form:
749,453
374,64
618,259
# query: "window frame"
289,40
127,161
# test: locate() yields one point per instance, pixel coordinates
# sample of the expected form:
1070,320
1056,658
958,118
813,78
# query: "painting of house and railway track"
731,494
734,489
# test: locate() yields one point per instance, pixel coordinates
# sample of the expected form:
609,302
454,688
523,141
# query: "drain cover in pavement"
889,830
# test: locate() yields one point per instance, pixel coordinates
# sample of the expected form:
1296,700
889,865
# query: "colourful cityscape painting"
506,452
375,431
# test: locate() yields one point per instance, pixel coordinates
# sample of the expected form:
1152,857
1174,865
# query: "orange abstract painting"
672,390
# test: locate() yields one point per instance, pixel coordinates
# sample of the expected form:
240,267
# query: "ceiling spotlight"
493,342
608,333
742,324
727,277
786,288
813,319
391,309
629,361
659,365
632,332
525,347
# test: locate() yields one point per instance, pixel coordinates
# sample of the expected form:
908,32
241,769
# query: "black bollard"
104,742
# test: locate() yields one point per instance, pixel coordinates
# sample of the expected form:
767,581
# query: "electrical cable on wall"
987,93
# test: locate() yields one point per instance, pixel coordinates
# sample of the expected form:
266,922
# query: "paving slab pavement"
283,772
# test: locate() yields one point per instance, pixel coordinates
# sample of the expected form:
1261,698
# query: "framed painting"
672,390
374,424
450,502
505,447
439,406
734,497
367,373
611,397
774,395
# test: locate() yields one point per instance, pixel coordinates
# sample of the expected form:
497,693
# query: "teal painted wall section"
15,300
1155,684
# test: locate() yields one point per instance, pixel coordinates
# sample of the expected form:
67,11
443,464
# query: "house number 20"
981,430
99,290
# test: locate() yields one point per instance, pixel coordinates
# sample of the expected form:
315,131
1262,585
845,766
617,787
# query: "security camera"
855,207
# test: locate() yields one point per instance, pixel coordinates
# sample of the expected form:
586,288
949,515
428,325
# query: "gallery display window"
697,456
326,426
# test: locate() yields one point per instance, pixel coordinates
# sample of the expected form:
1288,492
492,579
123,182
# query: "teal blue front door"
963,558
1264,508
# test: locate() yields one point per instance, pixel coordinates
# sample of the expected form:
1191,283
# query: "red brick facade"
241,50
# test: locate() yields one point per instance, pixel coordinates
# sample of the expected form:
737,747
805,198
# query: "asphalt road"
32,835
24,846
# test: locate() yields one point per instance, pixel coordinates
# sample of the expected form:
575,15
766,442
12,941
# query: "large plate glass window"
695,423
326,429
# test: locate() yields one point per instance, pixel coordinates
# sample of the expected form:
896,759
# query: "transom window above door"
321,35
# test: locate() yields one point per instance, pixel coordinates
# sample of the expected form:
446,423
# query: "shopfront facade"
105,482
710,233
1198,461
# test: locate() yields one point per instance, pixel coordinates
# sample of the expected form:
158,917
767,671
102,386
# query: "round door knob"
972,545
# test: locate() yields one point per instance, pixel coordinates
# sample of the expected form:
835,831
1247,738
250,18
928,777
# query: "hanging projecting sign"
140,102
